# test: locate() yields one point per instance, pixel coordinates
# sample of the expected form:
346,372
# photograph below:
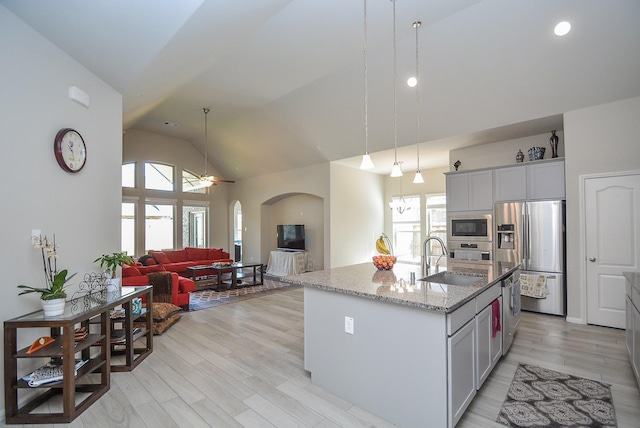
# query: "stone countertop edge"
364,280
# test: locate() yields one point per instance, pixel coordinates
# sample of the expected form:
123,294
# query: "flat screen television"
290,237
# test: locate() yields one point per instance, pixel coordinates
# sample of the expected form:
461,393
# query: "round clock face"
70,150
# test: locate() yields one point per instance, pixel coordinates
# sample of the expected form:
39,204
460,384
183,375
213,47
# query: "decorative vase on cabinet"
554,144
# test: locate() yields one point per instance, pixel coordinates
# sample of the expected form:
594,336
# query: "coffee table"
233,275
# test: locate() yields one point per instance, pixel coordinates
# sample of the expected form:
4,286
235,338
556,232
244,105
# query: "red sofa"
181,287
179,260
176,262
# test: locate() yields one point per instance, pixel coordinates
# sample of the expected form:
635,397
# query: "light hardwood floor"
242,365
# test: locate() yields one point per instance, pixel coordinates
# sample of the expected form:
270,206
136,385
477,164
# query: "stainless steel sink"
453,278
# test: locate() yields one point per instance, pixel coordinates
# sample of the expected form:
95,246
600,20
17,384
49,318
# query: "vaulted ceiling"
285,84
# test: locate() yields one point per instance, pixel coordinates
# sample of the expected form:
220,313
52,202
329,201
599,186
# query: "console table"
92,311
283,263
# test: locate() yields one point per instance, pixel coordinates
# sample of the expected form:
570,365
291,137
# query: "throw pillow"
162,311
160,256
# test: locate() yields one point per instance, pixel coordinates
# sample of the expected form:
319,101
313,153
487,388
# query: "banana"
381,246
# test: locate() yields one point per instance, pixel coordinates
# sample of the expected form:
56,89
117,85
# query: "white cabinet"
462,370
510,184
489,345
540,180
472,351
470,191
636,343
545,180
632,301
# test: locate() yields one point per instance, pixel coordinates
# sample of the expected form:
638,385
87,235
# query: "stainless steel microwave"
471,228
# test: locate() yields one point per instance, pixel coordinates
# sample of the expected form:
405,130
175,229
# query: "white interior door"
612,220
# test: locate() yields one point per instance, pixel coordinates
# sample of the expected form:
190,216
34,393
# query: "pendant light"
395,170
366,159
206,180
399,204
418,177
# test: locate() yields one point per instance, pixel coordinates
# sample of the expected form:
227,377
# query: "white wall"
356,216
602,138
144,146
82,209
256,195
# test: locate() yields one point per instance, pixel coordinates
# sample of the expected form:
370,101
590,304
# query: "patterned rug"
539,397
209,298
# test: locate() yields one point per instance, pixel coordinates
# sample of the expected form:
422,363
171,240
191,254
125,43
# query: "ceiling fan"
209,180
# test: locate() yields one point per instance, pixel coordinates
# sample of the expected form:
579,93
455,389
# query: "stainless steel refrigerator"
533,233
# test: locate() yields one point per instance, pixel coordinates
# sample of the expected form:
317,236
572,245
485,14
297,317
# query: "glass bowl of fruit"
384,262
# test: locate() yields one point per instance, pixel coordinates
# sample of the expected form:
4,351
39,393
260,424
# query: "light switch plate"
348,325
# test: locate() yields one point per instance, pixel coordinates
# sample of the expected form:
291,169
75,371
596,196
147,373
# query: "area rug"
209,298
540,397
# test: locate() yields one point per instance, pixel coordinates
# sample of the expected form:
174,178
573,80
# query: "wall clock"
70,150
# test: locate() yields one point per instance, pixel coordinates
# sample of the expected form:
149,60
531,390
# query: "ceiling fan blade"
222,180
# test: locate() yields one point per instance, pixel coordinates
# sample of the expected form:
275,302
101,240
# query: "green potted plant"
52,296
109,263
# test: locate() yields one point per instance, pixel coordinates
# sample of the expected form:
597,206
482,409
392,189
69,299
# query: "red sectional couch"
176,262
179,260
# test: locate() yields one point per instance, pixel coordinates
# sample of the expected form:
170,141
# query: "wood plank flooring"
242,365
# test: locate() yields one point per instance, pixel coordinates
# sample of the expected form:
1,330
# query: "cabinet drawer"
460,317
487,296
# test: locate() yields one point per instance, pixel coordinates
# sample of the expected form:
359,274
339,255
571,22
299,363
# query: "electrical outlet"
348,325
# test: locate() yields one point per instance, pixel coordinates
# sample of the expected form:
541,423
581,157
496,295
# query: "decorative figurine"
519,156
554,144
457,164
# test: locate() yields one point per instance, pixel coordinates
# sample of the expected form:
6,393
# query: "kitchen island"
396,349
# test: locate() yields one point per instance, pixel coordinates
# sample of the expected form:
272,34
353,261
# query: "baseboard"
576,320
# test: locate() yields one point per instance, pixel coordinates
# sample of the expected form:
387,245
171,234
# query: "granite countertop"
393,286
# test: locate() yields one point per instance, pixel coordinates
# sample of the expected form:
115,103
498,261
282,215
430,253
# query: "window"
128,229
158,223
129,175
406,229
191,182
158,176
194,226
436,223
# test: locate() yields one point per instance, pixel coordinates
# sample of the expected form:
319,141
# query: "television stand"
292,262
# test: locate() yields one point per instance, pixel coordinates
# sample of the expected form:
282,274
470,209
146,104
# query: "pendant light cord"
206,148
417,25
366,91
395,88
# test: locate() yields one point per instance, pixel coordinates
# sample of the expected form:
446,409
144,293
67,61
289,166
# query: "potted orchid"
53,295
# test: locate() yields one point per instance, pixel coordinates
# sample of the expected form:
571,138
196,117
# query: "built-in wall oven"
469,238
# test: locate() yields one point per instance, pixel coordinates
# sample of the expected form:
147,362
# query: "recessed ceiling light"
562,28
412,82
171,124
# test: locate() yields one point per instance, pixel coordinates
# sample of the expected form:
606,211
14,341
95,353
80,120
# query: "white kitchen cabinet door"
461,351
458,192
546,180
470,191
481,190
483,346
629,328
496,341
510,184
636,342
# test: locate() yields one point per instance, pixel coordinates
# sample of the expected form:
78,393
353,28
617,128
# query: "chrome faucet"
425,259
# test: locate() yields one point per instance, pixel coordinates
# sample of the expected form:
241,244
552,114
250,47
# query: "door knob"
592,259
